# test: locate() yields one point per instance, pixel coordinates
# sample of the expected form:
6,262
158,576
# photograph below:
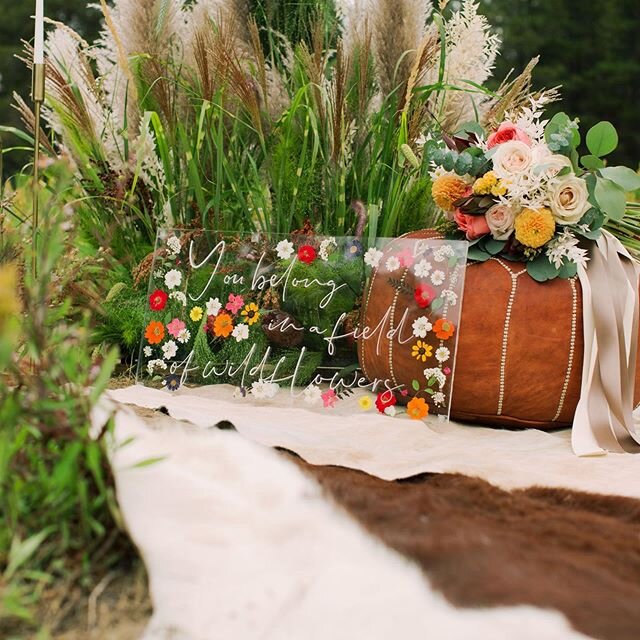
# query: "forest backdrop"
591,48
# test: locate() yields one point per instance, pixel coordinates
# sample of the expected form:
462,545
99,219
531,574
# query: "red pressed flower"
425,295
158,300
307,254
385,399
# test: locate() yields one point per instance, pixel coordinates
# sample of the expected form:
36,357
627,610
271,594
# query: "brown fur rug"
482,546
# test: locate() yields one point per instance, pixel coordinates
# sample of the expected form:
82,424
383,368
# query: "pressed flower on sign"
154,333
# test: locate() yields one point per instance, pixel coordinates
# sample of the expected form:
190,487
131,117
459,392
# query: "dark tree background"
591,48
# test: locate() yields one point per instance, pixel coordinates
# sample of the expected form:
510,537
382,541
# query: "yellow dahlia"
535,227
446,190
483,186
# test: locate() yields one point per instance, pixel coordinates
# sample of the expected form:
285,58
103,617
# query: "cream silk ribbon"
604,417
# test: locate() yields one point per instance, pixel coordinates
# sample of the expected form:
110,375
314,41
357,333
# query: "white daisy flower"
450,296
169,349
372,257
422,268
179,296
284,249
325,245
174,246
312,394
437,277
184,336
261,389
147,352
213,306
240,332
437,374
421,326
442,354
438,398
173,279
392,263
152,365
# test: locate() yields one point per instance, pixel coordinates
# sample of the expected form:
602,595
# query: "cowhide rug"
244,542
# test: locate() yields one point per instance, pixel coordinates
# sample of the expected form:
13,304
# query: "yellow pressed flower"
251,313
421,351
196,314
535,227
500,188
446,190
365,403
484,185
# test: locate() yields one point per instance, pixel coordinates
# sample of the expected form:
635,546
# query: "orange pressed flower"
154,332
417,409
443,329
223,325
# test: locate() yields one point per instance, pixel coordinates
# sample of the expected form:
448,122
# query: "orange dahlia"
446,190
535,227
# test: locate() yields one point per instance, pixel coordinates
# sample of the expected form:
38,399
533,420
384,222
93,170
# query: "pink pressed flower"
175,327
446,371
406,258
329,398
235,303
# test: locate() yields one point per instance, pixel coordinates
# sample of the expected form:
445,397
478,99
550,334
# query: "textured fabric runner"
603,420
392,448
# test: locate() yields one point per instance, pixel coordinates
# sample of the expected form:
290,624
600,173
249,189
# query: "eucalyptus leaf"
602,139
437,304
568,270
624,177
464,164
591,162
494,247
611,198
477,254
541,269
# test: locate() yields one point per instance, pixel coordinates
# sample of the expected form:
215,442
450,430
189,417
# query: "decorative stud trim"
505,335
572,347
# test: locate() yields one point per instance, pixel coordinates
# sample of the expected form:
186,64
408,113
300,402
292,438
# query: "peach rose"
473,227
512,158
506,132
500,220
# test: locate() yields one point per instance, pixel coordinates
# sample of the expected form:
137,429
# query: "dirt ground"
118,608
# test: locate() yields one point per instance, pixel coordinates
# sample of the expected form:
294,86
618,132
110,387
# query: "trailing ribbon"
604,416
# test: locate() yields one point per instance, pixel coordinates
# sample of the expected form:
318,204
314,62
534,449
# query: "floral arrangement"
523,191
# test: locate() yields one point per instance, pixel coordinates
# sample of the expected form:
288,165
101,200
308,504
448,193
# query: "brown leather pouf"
520,346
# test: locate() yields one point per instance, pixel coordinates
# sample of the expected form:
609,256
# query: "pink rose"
506,132
473,227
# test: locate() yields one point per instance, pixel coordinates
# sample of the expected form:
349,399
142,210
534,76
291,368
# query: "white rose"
512,158
501,219
569,199
552,165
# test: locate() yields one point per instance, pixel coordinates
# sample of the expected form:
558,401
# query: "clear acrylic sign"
271,315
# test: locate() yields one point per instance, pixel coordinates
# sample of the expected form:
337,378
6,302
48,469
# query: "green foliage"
60,521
